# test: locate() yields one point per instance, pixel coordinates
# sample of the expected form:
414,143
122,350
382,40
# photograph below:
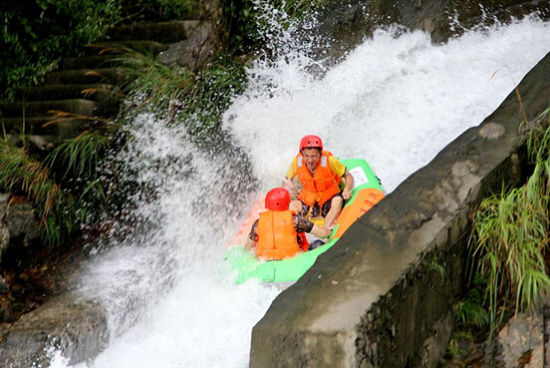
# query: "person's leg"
336,204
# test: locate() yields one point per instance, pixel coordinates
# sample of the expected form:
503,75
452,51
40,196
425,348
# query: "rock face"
67,323
522,339
18,225
194,51
4,232
345,23
379,297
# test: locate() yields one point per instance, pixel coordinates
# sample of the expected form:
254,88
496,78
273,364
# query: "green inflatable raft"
366,193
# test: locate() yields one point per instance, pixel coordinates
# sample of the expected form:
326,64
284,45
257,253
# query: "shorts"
317,210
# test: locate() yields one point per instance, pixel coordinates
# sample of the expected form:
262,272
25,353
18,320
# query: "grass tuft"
20,174
80,156
510,238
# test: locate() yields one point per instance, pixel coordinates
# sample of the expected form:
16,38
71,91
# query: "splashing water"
395,101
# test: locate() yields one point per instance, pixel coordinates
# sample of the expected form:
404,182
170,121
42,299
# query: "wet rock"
521,341
42,142
77,327
3,285
4,239
21,222
4,231
4,198
435,345
193,52
492,131
345,23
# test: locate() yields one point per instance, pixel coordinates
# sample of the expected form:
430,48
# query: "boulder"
18,225
193,52
4,231
21,223
68,323
521,341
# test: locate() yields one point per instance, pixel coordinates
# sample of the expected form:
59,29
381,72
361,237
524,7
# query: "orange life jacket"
320,187
277,238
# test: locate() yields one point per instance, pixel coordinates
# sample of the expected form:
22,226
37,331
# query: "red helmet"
277,199
311,141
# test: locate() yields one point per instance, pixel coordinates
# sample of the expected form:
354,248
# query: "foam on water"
395,101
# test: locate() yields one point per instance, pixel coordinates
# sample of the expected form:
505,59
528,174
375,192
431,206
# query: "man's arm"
252,236
338,168
348,185
303,225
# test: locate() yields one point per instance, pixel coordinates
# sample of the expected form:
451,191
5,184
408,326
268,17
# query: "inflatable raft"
367,191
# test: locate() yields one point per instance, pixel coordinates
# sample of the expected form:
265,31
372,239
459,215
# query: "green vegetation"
196,100
472,322
510,239
65,187
79,156
210,96
470,311
21,175
35,34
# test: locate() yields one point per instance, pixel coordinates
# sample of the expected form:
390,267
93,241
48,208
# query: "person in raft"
279,232
320,175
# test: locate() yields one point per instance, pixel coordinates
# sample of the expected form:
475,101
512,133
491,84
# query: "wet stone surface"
492,131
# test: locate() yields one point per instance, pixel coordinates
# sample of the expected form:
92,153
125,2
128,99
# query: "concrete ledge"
87,76
164,32
95,92
376,298
41,108
108,47
89,62
47,125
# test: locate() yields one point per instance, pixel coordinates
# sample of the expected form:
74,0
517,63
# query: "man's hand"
321,231
348,185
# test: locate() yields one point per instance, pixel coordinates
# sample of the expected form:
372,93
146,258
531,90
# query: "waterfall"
396,100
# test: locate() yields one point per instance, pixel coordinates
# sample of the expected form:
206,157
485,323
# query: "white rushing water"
393,101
